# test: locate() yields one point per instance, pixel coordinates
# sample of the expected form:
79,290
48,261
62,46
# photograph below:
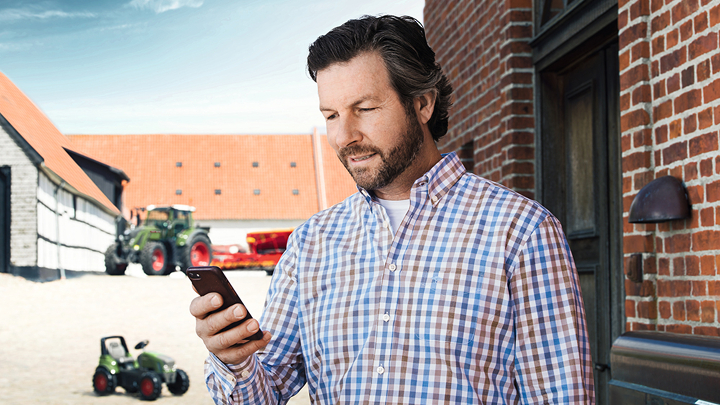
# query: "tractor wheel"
114,265
150,386
104,382
155,260
181,384
197,253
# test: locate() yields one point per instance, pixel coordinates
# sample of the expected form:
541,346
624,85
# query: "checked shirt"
474,300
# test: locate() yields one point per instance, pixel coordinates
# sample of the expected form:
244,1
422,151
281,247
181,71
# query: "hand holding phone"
209,279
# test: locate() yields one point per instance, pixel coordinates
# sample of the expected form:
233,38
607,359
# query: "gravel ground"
50,332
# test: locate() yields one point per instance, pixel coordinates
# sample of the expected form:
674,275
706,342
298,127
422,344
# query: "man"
430,285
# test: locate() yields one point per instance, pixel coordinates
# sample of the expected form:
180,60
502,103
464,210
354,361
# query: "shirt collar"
439,179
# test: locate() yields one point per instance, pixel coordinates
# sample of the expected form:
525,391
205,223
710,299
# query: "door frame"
556,48
5,220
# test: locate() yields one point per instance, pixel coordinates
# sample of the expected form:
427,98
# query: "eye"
367,109
330,117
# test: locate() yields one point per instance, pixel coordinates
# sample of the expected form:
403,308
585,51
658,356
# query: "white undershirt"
396,210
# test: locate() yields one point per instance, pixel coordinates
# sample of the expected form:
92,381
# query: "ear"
425,105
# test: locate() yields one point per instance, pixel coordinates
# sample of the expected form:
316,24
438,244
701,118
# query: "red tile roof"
27,119
151,163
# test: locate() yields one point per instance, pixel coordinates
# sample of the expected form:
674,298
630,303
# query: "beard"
393,162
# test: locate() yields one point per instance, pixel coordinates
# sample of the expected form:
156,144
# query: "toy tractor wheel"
181,384
150,386
104,382
155,260
197,253
114,265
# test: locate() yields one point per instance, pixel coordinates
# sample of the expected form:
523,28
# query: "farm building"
53,216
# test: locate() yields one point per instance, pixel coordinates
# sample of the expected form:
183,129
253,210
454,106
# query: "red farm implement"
266,247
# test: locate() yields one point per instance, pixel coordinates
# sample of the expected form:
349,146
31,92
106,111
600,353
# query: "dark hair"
408,58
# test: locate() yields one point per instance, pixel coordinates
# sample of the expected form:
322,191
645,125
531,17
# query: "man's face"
367,124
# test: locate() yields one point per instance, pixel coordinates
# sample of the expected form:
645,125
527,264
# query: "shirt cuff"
232,375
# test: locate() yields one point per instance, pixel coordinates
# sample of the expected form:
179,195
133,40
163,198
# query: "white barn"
54,218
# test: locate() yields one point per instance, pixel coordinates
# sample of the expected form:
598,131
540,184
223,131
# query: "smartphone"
207,279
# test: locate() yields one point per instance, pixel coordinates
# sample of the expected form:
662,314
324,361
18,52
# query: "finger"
201,306
238,354
214,323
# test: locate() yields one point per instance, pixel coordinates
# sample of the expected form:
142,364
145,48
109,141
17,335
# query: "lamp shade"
663,199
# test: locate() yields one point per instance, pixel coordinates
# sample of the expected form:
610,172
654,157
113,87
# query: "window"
256,191
293,164
296,191
178,164
217,164
218,191
178,192
255,164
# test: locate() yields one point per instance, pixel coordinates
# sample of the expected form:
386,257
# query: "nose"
346,132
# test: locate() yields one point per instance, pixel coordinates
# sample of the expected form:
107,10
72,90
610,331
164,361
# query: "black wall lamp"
663,199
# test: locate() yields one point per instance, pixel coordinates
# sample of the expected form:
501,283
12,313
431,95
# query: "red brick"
692,265
663,266
707,311
714,288
622,20
705,240
712,91
706,331
683,9
707,216
636,161
656,5
641,50
695,194
660,22
678,266
658,45
672,38
707,265
642,137
661,134
691,172
647,310
699,288
637,244
673,83
677,328
701,22
706,167
624,59
678,310
703,45
689,124
692,310
689,99
675,129
715,16
673,60
686,30
630,308
642,94
703,70
664,309
634,76
705,118
674,152
677,243
634,119
632,34
703,144
713,191
663,111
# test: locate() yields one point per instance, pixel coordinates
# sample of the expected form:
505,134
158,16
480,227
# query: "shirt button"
387,225
380,370
245,374
392,267
433,199
386,317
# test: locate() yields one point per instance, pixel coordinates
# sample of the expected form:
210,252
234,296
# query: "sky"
174,66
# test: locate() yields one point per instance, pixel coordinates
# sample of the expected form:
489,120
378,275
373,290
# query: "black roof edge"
113,169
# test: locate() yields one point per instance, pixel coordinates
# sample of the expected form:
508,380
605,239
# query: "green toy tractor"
167,239
144,375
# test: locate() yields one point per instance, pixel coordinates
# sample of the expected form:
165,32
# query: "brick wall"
23,199
483,47
670,116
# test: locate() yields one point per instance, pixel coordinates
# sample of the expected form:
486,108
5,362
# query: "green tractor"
145,375
167,239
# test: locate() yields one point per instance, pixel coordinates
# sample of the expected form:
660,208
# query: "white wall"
86,231
227,232
23,198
